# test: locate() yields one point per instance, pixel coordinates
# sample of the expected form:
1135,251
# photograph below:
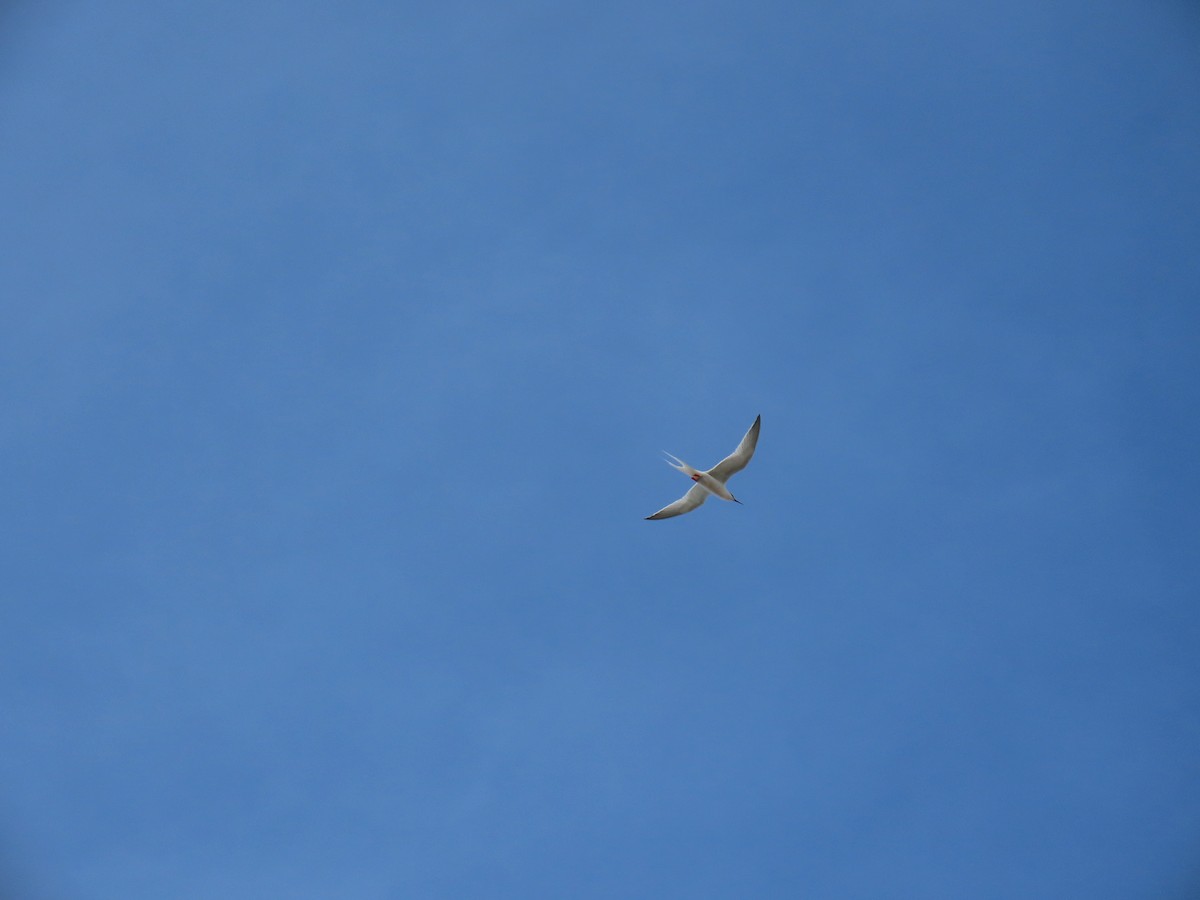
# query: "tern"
712,481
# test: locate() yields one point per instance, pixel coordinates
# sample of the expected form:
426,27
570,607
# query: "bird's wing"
686,503
736,461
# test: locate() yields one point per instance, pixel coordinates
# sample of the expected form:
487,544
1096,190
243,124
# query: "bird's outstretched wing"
736,461
686,503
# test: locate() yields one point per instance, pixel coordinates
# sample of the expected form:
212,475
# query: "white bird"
712,481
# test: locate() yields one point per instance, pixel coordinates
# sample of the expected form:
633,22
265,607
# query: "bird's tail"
676,463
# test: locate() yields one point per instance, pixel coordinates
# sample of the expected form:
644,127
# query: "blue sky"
340,344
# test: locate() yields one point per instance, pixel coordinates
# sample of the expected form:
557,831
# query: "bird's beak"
736,500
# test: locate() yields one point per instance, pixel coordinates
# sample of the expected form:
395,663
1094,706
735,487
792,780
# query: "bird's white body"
712,481
704,479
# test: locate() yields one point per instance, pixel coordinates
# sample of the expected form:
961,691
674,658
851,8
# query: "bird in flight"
712,481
